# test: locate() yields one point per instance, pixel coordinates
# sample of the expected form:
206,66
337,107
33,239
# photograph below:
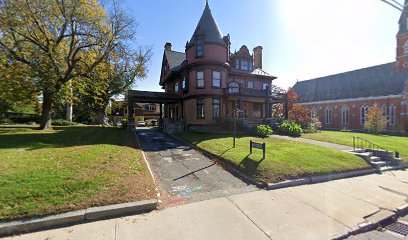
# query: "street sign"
258,146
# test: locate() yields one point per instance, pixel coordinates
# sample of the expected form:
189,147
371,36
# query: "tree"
114,76
60,40
375,120
17,88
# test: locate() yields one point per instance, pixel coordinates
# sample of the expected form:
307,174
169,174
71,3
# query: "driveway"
185,175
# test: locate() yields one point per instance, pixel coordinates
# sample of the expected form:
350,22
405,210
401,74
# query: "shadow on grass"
250,165
31,139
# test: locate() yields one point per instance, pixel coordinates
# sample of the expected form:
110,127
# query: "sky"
301,39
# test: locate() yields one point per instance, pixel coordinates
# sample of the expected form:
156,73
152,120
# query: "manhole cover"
399,228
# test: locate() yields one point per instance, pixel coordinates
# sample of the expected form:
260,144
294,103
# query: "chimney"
167,46
258,57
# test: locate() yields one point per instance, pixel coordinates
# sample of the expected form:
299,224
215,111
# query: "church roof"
209,27
374,81
174,58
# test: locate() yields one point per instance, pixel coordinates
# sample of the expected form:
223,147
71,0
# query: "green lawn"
284,159
392,143
68,168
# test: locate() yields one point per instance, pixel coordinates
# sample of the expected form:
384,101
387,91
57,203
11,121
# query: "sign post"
258,146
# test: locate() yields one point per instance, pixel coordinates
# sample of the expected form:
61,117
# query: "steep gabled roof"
174,59
374,81
209,27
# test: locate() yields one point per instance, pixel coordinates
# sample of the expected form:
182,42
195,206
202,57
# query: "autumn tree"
60,40
17,87
115,75
375,120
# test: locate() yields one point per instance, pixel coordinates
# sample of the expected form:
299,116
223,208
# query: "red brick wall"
355,111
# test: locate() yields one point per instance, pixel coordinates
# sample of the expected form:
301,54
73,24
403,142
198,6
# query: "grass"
68,168
284,159
392,143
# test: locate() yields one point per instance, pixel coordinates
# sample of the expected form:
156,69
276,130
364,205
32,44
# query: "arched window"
363,114
345,115
314,112
233,87
392,117
406,48
328,115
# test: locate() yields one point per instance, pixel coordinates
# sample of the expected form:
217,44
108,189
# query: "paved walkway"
314,142
185,175
319,211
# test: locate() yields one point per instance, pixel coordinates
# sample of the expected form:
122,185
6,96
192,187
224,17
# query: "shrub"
124,123
313,126
264,130
25,118
62,122
6,121
375,121
290,128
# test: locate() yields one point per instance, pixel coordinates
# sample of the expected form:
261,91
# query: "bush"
62,122
264,130
290,128
124,123
25,119
6,121
313,126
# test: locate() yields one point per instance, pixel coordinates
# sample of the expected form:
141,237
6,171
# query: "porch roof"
152,97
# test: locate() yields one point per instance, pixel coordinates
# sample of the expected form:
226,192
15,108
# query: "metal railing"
363,144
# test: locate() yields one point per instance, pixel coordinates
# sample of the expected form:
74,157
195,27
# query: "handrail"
360,143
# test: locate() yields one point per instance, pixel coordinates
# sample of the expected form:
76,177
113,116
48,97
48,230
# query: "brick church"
341,101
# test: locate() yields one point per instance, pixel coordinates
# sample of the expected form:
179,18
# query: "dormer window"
244,65
200,48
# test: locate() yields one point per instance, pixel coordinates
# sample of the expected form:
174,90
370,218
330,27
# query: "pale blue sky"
302,39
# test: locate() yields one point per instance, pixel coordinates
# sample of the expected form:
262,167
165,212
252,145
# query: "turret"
207,42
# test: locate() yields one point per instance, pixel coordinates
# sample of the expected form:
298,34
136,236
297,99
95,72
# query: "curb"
320,179
76,217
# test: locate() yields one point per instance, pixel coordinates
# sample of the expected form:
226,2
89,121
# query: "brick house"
207,81
341,101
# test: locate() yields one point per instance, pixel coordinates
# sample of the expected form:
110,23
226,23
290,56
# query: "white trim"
352,99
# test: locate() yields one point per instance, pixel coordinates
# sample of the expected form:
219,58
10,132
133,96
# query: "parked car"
141,124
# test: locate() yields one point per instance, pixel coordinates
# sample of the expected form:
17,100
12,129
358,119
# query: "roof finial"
206,3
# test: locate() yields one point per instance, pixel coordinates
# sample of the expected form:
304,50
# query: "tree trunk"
102,116
46,111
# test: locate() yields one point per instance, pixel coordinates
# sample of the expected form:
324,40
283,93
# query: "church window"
328,115
363,114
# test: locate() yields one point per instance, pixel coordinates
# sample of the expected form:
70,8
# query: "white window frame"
200,79
328,116
406,48
345,114
392,115
216,79
363,114
313,112
176,88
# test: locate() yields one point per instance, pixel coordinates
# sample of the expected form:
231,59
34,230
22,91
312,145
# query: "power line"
394,4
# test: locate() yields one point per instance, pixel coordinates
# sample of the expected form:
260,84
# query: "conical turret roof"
208,27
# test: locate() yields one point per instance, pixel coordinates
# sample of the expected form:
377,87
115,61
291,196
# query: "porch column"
131,119
161,111
286,107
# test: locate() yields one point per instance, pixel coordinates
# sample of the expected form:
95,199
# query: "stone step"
390,168
375,159
379,164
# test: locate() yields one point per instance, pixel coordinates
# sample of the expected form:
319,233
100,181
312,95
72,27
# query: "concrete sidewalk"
319,211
